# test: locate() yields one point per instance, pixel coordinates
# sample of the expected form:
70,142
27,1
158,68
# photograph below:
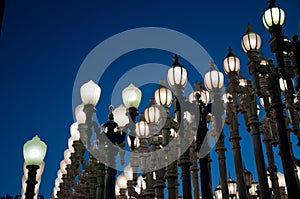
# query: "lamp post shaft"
159,184
194,170
185,164
232,121
205,176
272,168
100,180
31,181
276,43
217,111
253,124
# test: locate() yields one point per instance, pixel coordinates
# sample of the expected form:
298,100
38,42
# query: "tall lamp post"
34,152
177,78
273,20
202,98
214,82
232,68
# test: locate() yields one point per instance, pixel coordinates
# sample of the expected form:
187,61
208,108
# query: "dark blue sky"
43,44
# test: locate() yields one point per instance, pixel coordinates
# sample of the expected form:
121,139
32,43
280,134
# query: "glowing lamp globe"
142,129
218,192
122,181
213,79
204,96
128,172
231,62
251,40
79,114
283,84
74,131
90,93
131,96
152,114
163,96
177,74
231,186
120,116
34,151
273,16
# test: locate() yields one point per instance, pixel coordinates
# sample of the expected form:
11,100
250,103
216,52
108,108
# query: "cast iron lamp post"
214,81
152,117
34,152
273,20
163,97
177,79
202,99
232,68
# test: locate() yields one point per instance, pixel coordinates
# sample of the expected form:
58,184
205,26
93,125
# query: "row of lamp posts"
95,177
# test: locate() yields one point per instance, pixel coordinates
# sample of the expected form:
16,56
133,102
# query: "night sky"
44,43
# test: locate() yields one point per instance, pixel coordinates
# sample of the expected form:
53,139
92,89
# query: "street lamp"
231,65
201,97
131,96
34,152
214,82
218,192
253,189
273,16
232,188
177,76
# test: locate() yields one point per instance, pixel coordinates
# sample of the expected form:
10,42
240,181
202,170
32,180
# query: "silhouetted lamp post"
34,152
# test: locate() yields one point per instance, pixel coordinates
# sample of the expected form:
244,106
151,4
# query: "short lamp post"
34,152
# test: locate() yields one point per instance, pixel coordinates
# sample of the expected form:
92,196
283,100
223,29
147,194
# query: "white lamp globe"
177,74
213,79
131,96
90,93
79,114
122,181
251,40
74,131
163,96
120,116
273,16
34,151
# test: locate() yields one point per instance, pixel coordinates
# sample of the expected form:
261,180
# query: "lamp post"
163,97
177,78
273,20
34,152
152,117
214,81
202,98
232,68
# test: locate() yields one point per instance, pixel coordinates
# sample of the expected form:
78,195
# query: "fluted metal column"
271,163
203,144
249,104
218,111
277,46
31,181
100,168
232,121
194,169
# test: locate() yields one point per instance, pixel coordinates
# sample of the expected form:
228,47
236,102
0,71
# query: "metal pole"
31,181
277,47
232,120
218,110
249,104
